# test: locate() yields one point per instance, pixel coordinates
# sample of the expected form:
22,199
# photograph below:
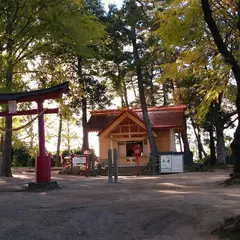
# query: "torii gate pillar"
43,162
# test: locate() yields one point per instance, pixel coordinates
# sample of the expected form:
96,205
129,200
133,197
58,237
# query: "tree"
197,73
30,29
128,27
94,92
136,21
230,56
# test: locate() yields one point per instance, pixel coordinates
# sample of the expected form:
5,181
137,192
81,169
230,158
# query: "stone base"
33,186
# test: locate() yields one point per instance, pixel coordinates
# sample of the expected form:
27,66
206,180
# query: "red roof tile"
160,117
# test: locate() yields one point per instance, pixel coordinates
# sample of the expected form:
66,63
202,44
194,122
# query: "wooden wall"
104,145
163,141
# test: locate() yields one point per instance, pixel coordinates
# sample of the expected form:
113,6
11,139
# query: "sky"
116,2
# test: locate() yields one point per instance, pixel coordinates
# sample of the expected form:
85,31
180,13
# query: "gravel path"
181,206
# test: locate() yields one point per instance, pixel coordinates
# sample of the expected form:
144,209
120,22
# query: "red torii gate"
43,164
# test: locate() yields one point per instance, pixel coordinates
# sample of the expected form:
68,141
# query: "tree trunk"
125,93
221,149
199,142
133,87
235,146
185,138
142,96
122,101
7,146
165,96
188,158
152,94
7,150
185,142
85,143
82,80
231,60
57,163
212,146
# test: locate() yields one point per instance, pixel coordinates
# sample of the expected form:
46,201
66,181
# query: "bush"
21,158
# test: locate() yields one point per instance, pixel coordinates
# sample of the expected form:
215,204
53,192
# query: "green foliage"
192,64
22,157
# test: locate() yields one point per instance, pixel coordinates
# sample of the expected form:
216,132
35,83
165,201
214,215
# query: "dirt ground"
180,206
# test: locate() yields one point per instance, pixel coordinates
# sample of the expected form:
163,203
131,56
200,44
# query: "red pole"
86,167
43,164
137,161
41,130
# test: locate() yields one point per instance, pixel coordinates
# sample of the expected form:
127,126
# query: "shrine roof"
160,117
37,95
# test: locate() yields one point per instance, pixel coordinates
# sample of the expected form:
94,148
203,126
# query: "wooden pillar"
115,162
172,141
110,180
43,164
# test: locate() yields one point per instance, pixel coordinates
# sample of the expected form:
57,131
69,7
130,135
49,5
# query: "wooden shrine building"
124,128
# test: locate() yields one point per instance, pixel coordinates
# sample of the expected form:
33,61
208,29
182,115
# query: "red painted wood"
43,162
29,112
43,169
43,165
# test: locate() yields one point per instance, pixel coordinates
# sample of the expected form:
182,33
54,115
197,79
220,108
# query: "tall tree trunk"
219,125
82,80
7,146
85,143
231,60
125,93
199,142
152,93
221,149
188,158
212,145
122,101
133,87
165,95
235,145
142,96
57,163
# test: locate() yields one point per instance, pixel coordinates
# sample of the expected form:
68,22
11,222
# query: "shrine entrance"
43,162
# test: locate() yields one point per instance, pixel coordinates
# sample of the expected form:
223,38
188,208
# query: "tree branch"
230,123
222,47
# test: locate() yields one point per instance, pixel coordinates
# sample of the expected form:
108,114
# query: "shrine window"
129,148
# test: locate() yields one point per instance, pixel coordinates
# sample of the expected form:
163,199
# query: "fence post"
110,180
115,161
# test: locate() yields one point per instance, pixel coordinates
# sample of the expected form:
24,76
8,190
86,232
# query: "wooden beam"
131,133
127,125
129,139
28,112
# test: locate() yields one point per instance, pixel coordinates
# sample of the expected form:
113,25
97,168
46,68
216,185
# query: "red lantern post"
137,151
